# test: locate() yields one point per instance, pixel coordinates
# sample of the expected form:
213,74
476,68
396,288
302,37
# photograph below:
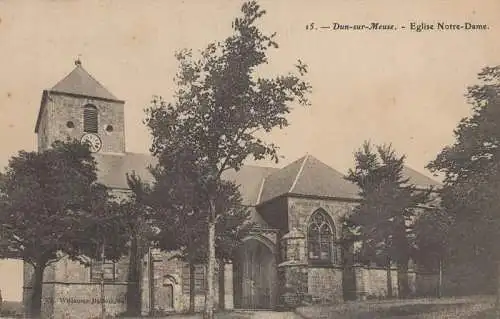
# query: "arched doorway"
255,279
167,296
164,293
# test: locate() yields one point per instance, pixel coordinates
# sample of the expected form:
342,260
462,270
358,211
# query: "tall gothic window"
90,118
320,237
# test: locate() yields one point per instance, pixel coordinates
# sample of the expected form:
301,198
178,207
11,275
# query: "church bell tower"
79,107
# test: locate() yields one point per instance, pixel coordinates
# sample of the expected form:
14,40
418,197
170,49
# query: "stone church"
295,251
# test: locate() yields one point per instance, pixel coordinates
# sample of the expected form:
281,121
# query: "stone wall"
325,284
228,286
321,282
300,209
84,300
61,108
68,291
167,272
372,282
42,140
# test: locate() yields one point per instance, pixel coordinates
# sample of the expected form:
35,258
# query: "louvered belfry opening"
90,119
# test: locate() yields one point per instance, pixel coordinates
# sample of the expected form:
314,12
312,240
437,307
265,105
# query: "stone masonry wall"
371,283
68,291
63,108
168,271
42,140
84,300
300,209
325,284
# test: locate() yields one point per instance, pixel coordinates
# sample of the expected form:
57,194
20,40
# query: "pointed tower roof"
80,82
77,83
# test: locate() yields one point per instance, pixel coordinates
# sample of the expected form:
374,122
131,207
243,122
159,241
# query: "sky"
401,87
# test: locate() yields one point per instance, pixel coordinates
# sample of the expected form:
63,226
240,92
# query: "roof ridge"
260,190
421,174
299,173
62,80
97,81
80,82
259,166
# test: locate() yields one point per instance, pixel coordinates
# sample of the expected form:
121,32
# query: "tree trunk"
36,296
192,292
150,282
103,298
440,278
498,287
389,279
133,290
222,287
403,288
209,302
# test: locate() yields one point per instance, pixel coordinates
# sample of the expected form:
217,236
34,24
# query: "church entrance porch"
255,279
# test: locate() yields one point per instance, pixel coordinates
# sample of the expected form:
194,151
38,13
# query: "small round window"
70,124
109,128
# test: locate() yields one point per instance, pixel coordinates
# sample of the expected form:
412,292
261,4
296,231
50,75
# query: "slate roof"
306,176
419,179
250,179
112,168
80,82
319,179
281,181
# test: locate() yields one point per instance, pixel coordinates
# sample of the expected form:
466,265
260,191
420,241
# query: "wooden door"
256,273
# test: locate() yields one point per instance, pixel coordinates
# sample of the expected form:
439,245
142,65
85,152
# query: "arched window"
90,118
320,238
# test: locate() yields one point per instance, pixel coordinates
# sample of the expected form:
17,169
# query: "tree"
471,167
388,208
432,231
46,201
132,220
180,214
220,105
122,228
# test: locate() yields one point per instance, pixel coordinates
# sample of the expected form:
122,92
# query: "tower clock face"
93,141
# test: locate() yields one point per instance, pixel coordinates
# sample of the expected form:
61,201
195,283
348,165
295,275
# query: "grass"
478,307
471,307
447,308
218,315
